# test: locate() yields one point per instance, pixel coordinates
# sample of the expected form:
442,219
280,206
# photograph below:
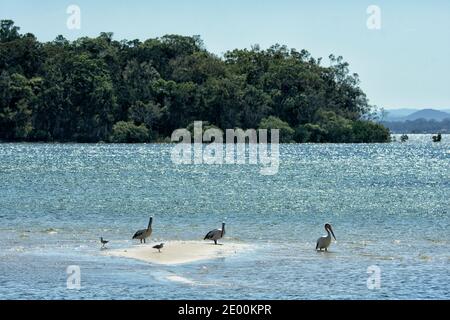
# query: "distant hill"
419,126
428,114
418,121
396,114
406,114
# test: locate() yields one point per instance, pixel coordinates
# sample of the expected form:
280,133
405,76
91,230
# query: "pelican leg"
215,242
144,240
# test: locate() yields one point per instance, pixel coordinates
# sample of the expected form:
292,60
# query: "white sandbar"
178,252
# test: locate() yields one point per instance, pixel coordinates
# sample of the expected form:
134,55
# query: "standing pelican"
324,242
145,233
103,242
216,234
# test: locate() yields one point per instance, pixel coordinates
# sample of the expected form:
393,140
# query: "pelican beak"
333,234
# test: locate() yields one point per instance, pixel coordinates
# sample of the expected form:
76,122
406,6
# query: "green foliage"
17,99
286,132
205,126
315,133
76,90
335,128
302,134
330,127
8,32
77,100
369,132
128,132
146,113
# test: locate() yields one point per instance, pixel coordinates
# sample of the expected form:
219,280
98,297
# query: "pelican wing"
211,234
138,233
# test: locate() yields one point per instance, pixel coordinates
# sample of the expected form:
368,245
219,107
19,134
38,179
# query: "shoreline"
206,143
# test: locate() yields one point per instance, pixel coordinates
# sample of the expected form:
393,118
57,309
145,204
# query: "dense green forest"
100,89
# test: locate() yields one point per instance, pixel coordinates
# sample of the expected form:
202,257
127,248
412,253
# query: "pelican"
145,233
324,242
216,234
103,242
159,247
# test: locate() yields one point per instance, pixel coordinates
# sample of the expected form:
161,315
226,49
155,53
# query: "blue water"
388,203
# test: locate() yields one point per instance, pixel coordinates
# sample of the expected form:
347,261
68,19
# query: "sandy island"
178,252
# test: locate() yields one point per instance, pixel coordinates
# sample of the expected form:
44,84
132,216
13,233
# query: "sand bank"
178,252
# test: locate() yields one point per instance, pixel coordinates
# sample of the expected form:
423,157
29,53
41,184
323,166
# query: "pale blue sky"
405,64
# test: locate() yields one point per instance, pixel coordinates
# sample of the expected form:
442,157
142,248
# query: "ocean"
388,205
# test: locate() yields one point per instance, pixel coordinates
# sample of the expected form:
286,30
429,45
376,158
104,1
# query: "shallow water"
388,203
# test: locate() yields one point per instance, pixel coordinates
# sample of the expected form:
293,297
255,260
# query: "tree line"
418,126
101,89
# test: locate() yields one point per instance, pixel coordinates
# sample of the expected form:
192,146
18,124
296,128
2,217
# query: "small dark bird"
104,242
159,247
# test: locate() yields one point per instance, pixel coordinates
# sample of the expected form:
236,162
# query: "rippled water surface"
388,203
